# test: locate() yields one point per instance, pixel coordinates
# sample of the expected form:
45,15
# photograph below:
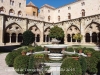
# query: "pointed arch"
83,12
87,37
13,37
20,37
58,18
69,15
2,9
20,13
49,18
11,12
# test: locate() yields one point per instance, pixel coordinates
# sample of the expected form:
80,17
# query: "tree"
78,36
28,37
56,32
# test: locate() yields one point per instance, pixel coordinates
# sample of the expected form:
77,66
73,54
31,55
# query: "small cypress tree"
28,37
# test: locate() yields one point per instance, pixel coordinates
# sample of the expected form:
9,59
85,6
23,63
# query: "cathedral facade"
81,16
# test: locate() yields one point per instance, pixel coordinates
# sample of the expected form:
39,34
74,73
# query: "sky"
54,3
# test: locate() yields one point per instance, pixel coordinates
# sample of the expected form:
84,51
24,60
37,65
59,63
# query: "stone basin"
55,56
56,46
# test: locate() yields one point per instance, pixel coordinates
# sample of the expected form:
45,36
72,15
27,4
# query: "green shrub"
10,58
38,48
96,54
83,64
70,49
70,67
91,49
31,65
28,38
21,64
40,55
92,64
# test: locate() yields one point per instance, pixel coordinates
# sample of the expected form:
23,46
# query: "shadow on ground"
8,48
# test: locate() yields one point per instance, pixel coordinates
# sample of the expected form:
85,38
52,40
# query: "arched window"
19,13
69,38
83,12
13,37
11,2
58,11
69,16
2,9
19,4
48,18
58,18
7,37
20,37
87,37
94,37
38,38
11,12
83,3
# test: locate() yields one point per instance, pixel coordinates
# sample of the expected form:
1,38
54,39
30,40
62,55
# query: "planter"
80,51
88,54
75,58
23,53
31,51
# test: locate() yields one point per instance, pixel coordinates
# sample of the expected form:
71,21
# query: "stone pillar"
16,38
83,40
45,38
90,38
35,38
10,38
41,38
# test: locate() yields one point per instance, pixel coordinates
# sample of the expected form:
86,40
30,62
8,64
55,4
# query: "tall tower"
31,9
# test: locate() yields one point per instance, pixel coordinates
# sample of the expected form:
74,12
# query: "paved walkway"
4,69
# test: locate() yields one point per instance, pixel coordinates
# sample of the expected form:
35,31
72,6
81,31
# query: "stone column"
45,38
16,38
35,38
83,40
10,38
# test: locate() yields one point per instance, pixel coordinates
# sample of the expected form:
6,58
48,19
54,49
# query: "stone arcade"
15,20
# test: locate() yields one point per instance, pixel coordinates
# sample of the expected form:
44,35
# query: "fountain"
55,50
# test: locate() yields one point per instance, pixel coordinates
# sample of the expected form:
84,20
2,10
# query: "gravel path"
4,69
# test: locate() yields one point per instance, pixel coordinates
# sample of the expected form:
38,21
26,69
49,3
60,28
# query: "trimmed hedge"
10,58
21,64
31,65
70,49
70,67
38,48
83,64
92,64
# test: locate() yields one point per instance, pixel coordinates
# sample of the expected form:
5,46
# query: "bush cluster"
10,58
21,64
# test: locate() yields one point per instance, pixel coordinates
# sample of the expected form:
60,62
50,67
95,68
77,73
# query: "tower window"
58,11
83,12
48,18
69,8
58,18
11,2
33,13
69,16
83,3
19,4
48,11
